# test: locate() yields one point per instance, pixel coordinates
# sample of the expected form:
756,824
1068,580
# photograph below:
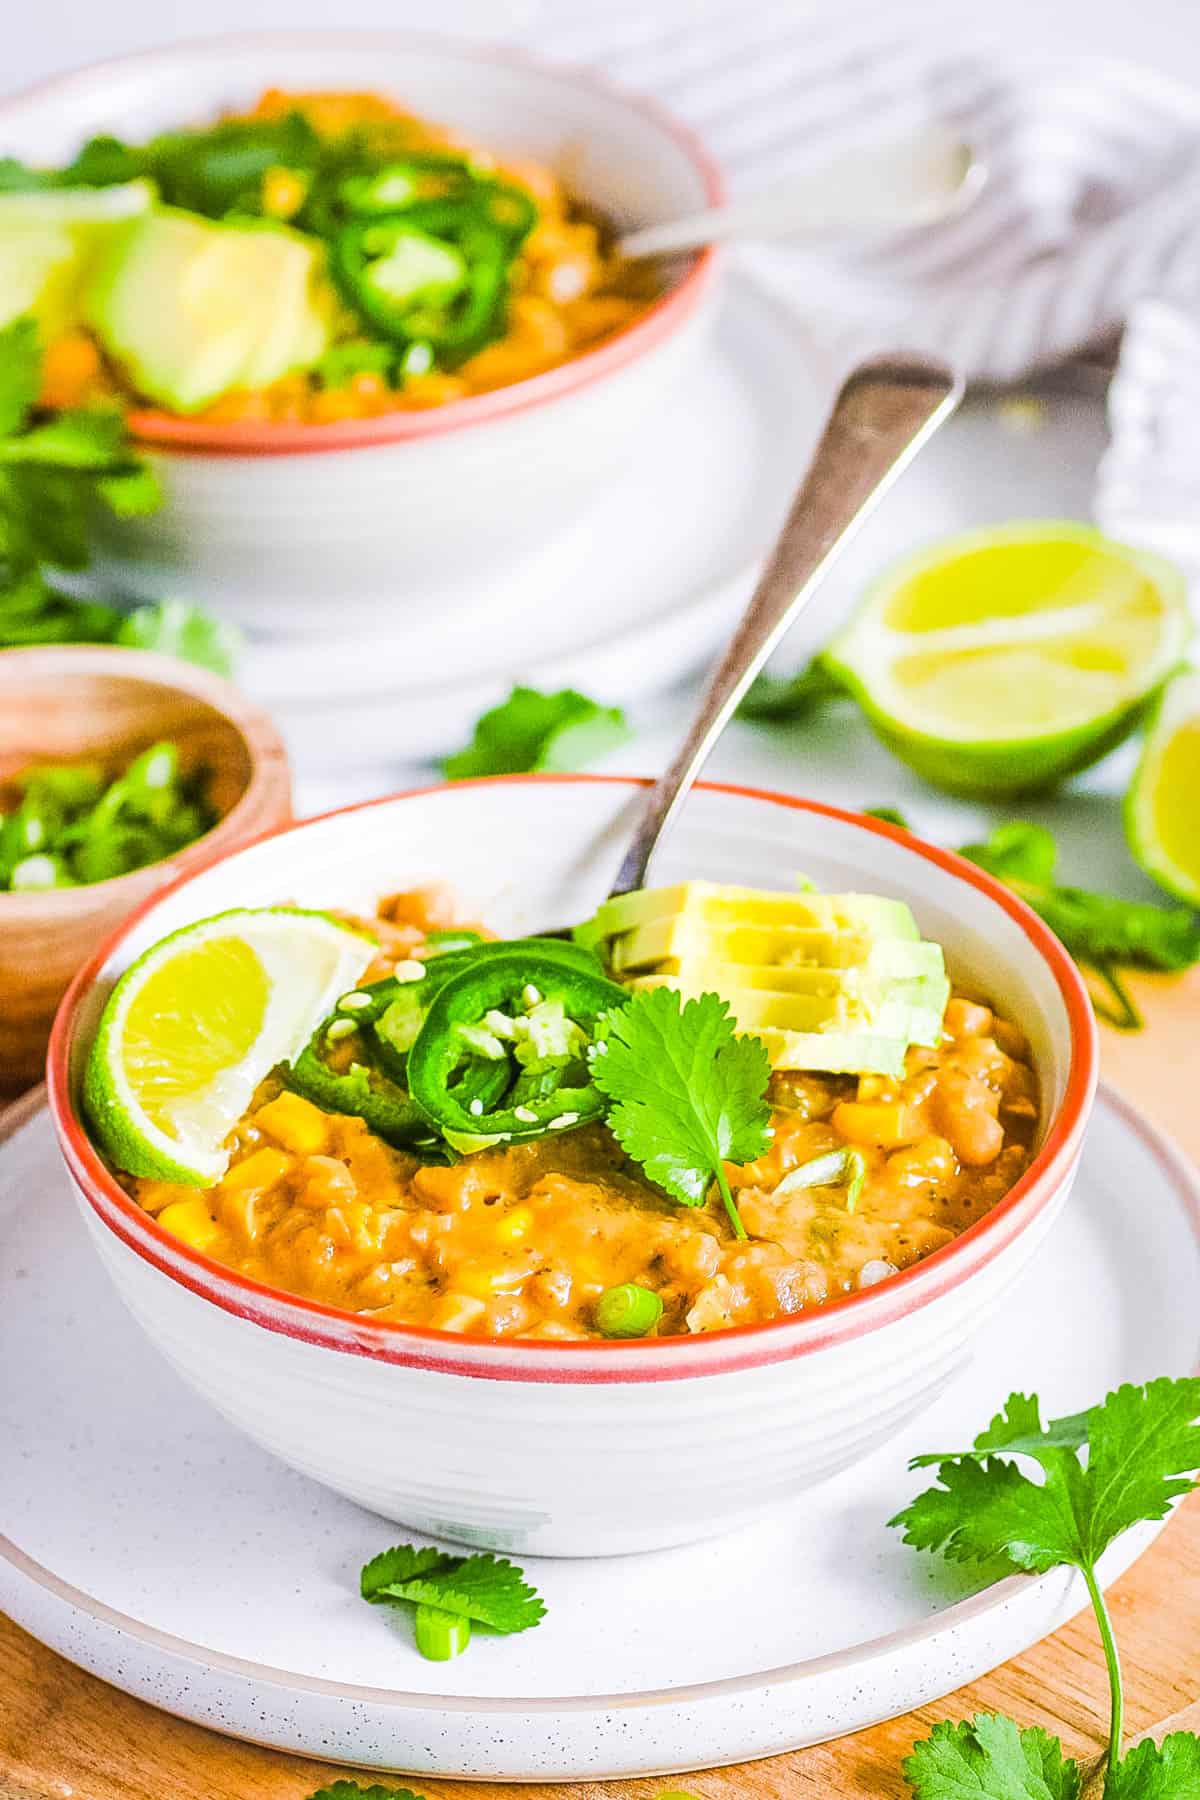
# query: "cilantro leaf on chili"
534,730
688,1093
992,1759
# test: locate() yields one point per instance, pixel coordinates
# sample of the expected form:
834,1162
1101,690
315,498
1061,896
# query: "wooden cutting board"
66,1736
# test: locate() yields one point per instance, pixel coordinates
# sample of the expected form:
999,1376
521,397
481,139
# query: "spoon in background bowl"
877,189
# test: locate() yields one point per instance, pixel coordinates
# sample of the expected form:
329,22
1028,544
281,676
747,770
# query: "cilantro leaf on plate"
1143,1447
84,441
1103,932
483,1589
777,700
533,730
688,1094
174,628
990,1759
1018,1428
1141,1444
1166,1771
351,1790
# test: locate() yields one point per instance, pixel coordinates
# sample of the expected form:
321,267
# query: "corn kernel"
283,193
191,1221
882,1124
514,1224
259,1171
295,1123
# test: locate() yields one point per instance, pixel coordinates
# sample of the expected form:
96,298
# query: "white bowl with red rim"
578,1448
301,527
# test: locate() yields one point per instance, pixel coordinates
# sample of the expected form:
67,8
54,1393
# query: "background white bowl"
305,528
586,1449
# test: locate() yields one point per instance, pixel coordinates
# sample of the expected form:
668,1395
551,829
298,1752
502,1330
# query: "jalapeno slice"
532,1014
430,271
362,1092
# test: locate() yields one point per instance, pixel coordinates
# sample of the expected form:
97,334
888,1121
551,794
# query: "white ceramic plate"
152,1543
630,598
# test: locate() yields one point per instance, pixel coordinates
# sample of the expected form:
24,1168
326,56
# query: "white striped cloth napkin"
1093,194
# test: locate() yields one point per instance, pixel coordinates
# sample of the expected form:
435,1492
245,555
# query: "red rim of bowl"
168,432
740,1347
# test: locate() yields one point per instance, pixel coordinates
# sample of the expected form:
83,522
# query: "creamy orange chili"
522,1241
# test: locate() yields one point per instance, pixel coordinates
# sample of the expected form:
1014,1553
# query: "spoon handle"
884,412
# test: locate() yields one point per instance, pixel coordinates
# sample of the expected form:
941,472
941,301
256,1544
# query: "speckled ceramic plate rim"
1177,1171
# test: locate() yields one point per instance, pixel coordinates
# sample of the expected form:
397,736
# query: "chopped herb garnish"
52,472
532,730
351,1790
1143,1447
472,1590
688,1094
73,825
777,701
1101,931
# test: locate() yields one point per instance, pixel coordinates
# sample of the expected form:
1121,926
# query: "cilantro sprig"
687,1093
533,730
52,471
1104,933
1143,1448
352,1790
451,1594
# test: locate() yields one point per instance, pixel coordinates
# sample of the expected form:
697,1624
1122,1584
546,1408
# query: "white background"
41,36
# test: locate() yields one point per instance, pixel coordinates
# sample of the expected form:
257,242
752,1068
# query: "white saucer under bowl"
151,1543
630,598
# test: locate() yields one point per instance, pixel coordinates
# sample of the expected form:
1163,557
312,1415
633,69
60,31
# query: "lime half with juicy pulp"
1162,808
197,1022
1001,661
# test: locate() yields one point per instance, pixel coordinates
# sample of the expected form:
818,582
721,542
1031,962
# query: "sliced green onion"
441,941
628,1311
441,1635
856,1168
822,1171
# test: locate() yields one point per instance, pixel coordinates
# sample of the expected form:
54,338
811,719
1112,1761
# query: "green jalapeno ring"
493,983
452,319
384,1108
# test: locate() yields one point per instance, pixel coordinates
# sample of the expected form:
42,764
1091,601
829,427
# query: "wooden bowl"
76,703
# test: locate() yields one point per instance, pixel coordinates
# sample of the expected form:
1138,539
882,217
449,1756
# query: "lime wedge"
1162,808
999,662
192,1028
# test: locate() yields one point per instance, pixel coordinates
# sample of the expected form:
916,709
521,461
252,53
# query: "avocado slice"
683,939
49,242
908,1010
193,308
836,982
712,903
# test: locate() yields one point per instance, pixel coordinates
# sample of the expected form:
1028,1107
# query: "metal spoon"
872,188
884,412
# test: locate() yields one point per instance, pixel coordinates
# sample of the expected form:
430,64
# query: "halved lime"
192,1028
1001,661
1162,807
